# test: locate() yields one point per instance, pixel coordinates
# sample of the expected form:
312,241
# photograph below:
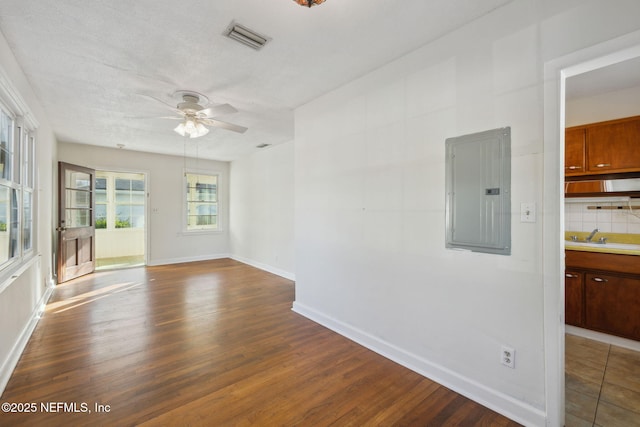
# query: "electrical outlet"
508,357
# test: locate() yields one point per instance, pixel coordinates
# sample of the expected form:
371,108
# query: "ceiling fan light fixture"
309,3
180,129
201,130
191,127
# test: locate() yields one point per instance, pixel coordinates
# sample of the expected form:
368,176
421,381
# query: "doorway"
556,72
120,218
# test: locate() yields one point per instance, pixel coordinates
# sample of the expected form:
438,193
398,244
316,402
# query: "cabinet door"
574,298
612,304
614,147
574,151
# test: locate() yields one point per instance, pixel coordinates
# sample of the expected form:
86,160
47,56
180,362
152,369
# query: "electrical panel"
478,188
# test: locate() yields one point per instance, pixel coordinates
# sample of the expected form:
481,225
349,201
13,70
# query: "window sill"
199,232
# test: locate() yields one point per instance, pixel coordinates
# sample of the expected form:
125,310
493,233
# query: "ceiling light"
247,37
309,3
191,126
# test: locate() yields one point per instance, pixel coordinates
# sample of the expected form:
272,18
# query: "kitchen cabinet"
574,298
603,148
602,292
574,151
612,304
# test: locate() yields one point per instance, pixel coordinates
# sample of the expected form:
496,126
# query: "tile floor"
602,384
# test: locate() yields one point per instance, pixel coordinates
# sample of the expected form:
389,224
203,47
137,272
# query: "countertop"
624,244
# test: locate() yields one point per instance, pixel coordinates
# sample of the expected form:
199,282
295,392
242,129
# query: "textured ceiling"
90,63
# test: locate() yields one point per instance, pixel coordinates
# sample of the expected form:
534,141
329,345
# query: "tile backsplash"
578,217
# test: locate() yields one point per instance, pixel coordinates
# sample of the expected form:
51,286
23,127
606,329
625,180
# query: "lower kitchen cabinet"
612,304
574,298
602,293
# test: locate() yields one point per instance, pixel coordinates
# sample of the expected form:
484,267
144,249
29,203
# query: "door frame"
147,185
556,71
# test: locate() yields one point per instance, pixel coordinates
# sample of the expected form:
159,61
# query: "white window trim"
194,232
15,107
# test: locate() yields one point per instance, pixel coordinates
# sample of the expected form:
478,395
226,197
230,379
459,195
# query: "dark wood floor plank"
212,343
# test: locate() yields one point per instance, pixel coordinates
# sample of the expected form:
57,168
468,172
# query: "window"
201,202
101,202
129,203
17,183
28,180
119,200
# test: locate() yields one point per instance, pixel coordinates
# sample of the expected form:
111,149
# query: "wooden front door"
76,221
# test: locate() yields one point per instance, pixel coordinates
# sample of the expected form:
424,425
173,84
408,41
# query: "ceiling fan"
195,114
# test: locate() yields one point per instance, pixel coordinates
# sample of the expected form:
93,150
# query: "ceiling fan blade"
218,110
169,106
224,125
154,117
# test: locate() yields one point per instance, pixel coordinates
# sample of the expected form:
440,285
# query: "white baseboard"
605,338
265,267
506,405
186,259
14,356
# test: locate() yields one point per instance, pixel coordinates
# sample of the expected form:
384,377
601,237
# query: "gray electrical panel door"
478,187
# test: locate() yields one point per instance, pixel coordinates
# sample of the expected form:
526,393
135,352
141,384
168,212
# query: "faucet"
590,236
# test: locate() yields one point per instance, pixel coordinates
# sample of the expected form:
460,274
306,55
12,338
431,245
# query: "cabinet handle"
573,167
570,276
603,165
599,279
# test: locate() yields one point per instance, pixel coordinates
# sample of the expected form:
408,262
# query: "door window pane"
78,180
78,218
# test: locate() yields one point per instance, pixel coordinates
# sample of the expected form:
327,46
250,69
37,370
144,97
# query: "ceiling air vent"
247,37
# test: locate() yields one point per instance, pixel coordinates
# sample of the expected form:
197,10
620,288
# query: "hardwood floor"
211,343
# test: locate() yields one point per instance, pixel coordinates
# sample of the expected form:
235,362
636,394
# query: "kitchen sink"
628,246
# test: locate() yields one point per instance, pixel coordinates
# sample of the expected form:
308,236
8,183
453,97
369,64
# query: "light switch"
527,212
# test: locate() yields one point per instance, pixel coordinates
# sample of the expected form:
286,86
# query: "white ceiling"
90,62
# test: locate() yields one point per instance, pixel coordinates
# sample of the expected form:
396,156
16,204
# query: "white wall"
25,286
370,257
167,241
262,222
602,107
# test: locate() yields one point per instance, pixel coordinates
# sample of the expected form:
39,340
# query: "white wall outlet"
527,212
508,356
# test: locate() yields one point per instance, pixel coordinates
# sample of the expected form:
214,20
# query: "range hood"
603,187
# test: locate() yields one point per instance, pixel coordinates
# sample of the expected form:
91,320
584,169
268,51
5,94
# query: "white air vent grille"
247,37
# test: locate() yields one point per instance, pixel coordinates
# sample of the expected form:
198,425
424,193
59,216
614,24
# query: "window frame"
111,200
192,230
20,182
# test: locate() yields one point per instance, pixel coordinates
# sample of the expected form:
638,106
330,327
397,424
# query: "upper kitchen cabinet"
603,148
614,146
574,151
